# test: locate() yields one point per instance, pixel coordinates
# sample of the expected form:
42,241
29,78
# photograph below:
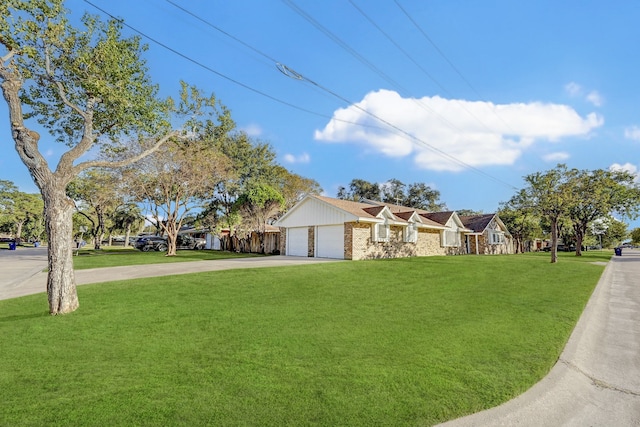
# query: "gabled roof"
439,217
360,210
401,214
479,223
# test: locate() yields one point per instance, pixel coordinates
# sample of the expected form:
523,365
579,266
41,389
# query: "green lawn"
367,343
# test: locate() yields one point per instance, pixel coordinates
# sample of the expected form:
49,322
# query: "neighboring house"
324,227
489,236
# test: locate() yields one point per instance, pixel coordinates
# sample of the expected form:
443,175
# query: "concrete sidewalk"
596,381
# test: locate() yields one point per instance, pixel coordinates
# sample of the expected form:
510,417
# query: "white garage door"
330,241
297,241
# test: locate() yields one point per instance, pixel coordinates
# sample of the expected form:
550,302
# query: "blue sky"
465,96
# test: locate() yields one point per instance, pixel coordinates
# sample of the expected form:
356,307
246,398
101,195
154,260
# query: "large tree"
20,211
96,196
88,87
251,160
125,218
598,193
520,219
258,205
548,194
175,181
180,177
293,187
360,189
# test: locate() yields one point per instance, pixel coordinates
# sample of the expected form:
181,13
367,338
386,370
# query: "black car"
151,243
159,243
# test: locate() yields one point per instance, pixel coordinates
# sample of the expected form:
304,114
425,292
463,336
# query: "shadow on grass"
19,317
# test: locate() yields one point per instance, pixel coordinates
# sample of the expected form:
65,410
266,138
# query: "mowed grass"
404,342
112,257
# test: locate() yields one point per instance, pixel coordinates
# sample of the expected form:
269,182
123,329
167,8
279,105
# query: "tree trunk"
127,235
580,232
554,240
18,235
171,228
61,284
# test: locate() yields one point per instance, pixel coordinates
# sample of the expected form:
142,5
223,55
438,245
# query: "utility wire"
232,80
289,72
408,55
442,54
297,76
293,6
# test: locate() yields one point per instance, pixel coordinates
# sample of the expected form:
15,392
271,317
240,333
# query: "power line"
408,55
224,76
442,54
298,76
293,6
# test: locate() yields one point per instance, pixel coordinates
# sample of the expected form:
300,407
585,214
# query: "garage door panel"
298,241
330,241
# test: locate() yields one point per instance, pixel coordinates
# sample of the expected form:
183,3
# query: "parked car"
187,241
151,243
159,243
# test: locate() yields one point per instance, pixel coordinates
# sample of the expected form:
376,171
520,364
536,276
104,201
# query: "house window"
380,232
496,238
411,233
450,238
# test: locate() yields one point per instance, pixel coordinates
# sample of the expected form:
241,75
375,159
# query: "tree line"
571,204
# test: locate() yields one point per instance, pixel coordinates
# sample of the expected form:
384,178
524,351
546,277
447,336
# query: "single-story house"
325,227
489,236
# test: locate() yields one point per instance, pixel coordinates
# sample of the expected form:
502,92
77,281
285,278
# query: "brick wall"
283,241
311,241
360,245
485,248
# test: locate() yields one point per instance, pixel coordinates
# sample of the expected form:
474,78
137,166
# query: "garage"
298,241
330,241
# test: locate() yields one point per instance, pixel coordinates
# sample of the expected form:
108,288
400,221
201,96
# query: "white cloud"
48,153
559,156
573,89
252,129
475,133
595,98
302,158
633,133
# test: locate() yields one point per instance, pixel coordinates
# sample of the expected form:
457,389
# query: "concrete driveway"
22,271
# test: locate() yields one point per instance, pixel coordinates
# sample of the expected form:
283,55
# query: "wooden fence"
255,243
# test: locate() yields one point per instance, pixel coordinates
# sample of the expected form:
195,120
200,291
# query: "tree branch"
114,165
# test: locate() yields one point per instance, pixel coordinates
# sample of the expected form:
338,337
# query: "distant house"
489,235
324,227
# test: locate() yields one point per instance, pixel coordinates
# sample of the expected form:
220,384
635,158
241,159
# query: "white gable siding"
315,212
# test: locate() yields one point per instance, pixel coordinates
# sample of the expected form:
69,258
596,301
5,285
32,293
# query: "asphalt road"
596,381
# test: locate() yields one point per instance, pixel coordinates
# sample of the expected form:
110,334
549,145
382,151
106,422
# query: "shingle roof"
371,208
355,208
477,223
439,217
